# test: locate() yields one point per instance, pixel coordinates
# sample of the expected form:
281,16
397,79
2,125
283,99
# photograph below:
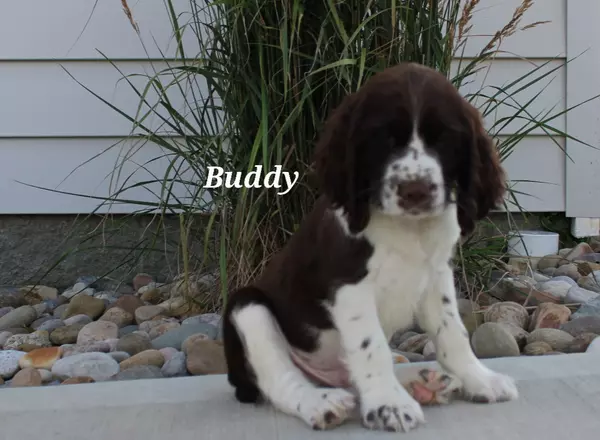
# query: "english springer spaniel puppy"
406,168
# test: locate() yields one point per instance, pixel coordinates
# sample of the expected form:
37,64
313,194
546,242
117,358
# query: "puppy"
406,168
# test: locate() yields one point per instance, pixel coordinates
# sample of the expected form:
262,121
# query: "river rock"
469,313
163,328
85,305
555,288
550,262
46,375
97,331
44,292
590,282
98,366
559,340
549,315
35,325
40,310
76,291
147,357
568,270
175,366
4,337
51,324
119,316
429,349
119,356
507,311
578,294
77,380
148,326
586,267
191,341
581,343
586,324
9,362
196,285
109,298
154,293
28,377
37,339
92,347
78,319
31,296
19,317
578,251
522,288
174,338
139,372
168,352
140,280
537,348
41,358
517,332
59,311
206,357
564,278
65,335
205,318
133,344
397,338
5,310
492,340
591,308
11,297
129,303
414,344
146,313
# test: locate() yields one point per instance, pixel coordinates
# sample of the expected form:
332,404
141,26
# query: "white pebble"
9,362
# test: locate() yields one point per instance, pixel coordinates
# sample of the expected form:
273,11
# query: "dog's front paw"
486,386
391,409
432,387
326,408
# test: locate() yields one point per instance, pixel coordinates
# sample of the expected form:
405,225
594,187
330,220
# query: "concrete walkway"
560,400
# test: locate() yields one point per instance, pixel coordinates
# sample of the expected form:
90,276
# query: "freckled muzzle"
413,187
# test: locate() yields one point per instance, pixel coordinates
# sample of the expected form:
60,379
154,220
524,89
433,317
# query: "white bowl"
532,243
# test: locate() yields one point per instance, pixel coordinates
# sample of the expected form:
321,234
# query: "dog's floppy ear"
481,180
337,162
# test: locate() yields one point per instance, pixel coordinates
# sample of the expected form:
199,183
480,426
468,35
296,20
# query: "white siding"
49,124
75,165
41,99
583,165
547,41
56,30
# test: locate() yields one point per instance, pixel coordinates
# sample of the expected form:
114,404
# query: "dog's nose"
416,193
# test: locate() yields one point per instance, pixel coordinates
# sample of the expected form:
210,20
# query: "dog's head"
408,144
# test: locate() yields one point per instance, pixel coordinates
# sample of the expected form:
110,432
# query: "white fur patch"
408,277
415,165
279,380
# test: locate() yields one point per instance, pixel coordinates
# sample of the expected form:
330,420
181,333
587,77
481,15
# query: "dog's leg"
438,315
239,371
278,379
385,404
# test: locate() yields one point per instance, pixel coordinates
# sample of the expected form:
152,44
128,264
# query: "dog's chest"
402,267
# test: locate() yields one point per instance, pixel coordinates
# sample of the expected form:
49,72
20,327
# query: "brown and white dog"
406,168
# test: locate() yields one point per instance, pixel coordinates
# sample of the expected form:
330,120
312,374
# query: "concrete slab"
560,399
